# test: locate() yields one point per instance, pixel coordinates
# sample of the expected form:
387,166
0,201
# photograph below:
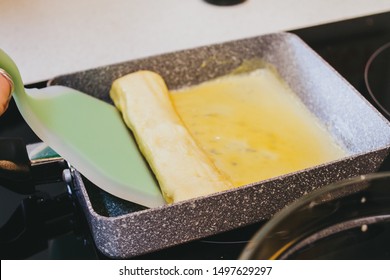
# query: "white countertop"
47,38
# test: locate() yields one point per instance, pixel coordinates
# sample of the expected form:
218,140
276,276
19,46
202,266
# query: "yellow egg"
254,127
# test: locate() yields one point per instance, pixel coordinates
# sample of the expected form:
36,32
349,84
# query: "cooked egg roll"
181,167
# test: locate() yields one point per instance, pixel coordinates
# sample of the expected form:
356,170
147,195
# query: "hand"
5,91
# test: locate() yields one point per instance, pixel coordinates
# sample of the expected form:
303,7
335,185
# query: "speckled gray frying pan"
122,229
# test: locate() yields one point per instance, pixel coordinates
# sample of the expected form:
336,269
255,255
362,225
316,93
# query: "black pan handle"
19,173
15,167
40,215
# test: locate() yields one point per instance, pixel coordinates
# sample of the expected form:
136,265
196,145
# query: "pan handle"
23,167
41,215
15,167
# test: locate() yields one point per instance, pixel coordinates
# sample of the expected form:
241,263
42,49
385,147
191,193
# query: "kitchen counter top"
47,38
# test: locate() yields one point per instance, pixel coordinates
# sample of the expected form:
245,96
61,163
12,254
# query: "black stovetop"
345,45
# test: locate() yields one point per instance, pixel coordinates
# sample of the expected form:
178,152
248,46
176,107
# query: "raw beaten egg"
254,127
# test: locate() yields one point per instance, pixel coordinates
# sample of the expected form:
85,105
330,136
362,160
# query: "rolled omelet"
181,167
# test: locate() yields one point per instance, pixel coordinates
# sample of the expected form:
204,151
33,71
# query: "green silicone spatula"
90,134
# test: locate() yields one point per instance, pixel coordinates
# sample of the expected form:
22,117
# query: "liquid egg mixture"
254,127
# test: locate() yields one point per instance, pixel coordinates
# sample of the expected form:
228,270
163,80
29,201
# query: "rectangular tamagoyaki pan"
122,229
